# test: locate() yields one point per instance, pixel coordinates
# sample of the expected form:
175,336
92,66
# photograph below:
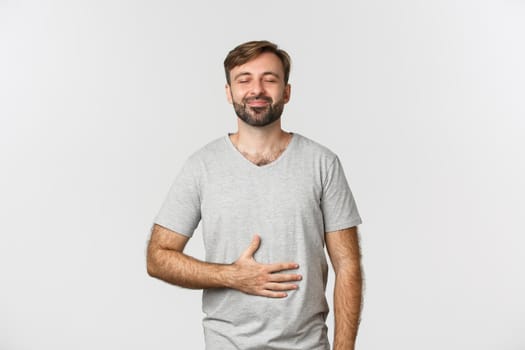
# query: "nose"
257,87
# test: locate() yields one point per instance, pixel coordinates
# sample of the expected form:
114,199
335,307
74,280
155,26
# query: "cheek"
283,96
236,95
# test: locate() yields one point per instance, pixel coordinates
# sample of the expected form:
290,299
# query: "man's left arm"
344,252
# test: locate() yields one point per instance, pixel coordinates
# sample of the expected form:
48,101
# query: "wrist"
227,276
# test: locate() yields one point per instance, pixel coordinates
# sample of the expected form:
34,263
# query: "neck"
260,140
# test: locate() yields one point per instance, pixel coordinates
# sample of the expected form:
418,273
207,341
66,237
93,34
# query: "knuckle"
262,277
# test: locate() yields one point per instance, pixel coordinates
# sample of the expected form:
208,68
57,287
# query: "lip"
258,103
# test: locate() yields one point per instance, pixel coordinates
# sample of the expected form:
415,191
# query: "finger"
252,248
281,277
282,267
280,286
272,294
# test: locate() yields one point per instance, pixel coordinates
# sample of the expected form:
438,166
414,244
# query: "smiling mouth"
258,103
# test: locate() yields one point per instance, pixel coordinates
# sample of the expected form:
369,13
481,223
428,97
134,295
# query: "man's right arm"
166,261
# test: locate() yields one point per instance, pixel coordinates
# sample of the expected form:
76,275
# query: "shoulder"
211,149
314,149
210,153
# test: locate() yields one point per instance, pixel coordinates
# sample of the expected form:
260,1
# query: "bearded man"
269,201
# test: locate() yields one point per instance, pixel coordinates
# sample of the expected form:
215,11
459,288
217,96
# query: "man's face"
257,91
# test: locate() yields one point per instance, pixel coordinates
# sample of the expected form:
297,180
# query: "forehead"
265,62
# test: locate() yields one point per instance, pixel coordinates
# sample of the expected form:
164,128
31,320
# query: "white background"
102,101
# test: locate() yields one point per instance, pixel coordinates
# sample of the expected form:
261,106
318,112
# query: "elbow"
151,263
150,269
352,271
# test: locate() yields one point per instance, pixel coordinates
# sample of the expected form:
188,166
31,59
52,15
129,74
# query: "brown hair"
250,50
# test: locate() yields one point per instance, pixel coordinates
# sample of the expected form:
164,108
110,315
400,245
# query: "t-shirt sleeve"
337,202
180,211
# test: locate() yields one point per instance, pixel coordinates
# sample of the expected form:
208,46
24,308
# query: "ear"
228,91
287,92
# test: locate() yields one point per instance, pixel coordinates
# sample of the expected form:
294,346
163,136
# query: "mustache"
259,97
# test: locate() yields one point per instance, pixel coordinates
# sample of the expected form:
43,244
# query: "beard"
259,116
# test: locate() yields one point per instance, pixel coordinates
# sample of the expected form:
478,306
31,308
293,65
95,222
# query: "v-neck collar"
253,165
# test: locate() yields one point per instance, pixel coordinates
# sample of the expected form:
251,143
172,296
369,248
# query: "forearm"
185,271
347,307
166,261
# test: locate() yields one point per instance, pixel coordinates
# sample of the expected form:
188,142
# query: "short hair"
249,50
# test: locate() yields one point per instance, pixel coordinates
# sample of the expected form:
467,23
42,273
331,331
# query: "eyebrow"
248,73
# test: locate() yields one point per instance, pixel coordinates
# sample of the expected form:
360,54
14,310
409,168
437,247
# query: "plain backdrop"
102,101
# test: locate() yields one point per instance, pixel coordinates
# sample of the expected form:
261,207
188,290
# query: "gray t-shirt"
291,203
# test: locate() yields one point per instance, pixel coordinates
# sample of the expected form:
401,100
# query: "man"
269,201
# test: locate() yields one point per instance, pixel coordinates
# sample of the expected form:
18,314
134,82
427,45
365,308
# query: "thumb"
252,248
